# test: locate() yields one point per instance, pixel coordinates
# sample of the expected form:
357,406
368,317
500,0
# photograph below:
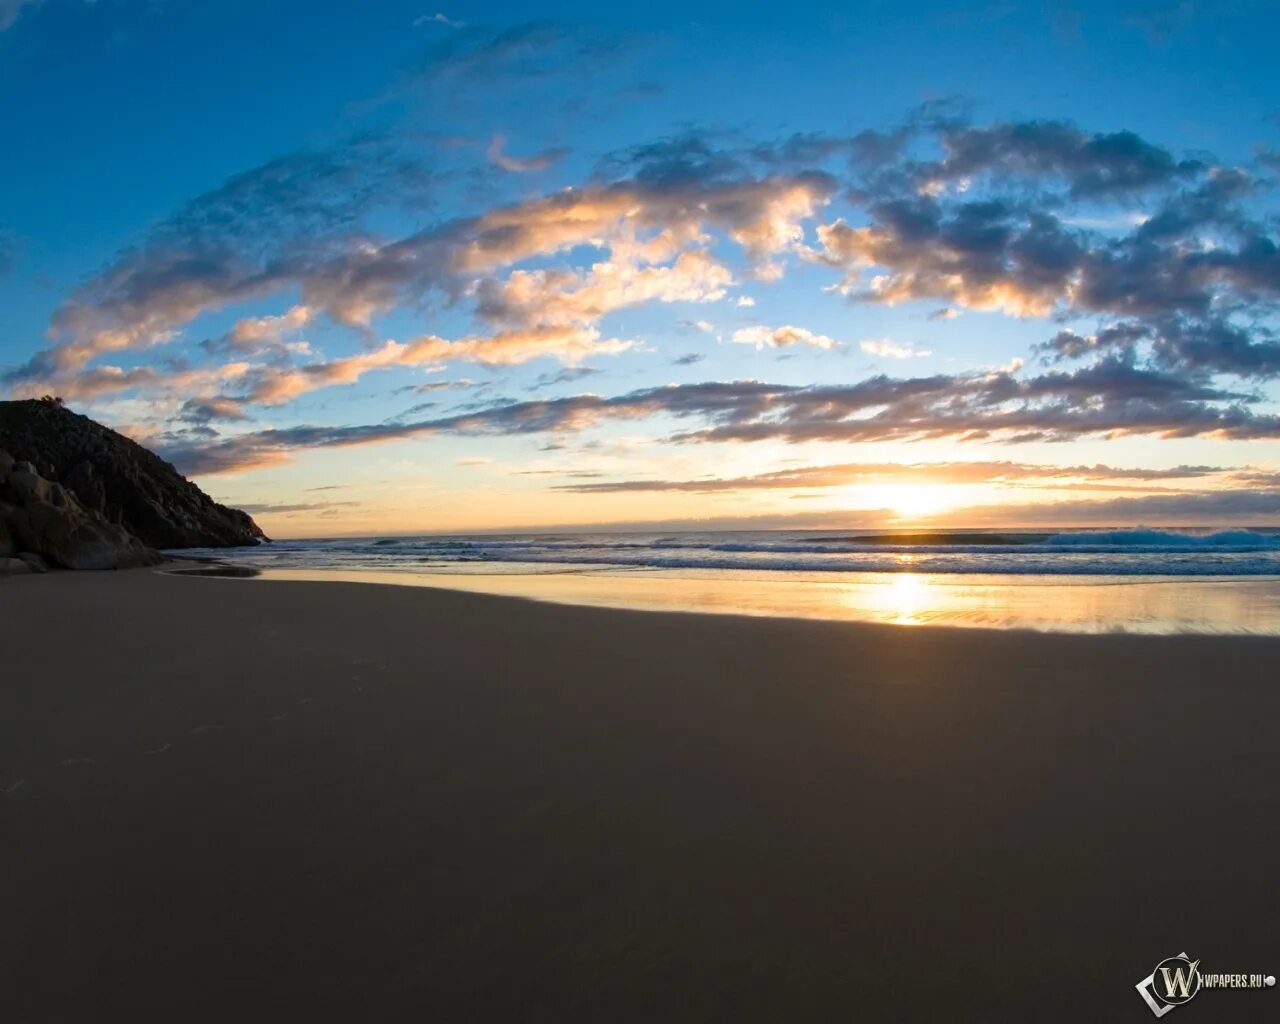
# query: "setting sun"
908,501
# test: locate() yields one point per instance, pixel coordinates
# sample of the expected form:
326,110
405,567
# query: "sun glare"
908,501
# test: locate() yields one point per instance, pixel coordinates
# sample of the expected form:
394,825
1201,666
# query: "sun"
909,501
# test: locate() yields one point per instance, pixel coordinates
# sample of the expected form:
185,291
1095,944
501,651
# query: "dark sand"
263,801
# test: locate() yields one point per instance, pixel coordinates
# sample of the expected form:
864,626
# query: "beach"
257,799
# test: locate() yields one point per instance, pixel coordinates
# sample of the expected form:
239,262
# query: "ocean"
1125,553
1136,580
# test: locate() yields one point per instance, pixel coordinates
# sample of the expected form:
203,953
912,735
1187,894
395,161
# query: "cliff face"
119,481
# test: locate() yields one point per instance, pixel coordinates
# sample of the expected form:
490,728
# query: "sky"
393,268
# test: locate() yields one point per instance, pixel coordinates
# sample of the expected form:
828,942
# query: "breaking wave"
1126,553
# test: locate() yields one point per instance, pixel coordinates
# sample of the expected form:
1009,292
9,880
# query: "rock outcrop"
109,480
43,524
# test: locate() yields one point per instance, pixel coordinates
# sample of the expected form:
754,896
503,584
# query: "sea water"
1135,580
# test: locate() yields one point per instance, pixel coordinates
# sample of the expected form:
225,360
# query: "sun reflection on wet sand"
903,600
1074,604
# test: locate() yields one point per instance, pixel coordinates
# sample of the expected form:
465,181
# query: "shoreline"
1139,605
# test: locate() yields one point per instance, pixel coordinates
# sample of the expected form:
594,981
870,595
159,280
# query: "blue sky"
394,267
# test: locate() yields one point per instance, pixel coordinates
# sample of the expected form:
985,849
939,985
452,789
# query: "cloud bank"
1156,277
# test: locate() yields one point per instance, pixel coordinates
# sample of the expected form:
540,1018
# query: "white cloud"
264,330
437,19
783,337
886,349
529,297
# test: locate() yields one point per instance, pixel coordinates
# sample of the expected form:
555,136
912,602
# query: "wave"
937,539
1140,551
1157,540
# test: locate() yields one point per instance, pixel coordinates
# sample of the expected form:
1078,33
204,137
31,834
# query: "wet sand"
231,799
1236,606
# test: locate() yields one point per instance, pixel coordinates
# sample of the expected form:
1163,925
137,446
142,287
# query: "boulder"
13,567
34,562
26,484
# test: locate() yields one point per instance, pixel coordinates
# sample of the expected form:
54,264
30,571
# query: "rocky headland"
77,495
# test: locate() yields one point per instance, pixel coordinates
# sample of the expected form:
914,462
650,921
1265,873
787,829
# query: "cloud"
256,235
989,255
206,410
564,296
1067,344
294,224
143,298
11,9
1179,286
1090,165
1005,220
195,263
566,375
783,337
271,447
437,19
522,165
523,54
256,332
1110,399
281,509
886,349
511,348
269,385
1195,345
435,385
981,255
1212,508
692,156
846,474
763,215
110,380
243,384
